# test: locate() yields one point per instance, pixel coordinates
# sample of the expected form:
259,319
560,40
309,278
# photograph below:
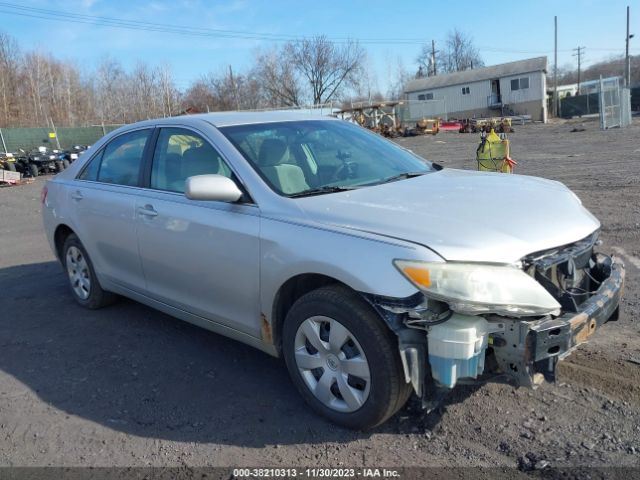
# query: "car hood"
462,215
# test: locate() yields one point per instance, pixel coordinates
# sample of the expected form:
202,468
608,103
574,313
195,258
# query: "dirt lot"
130,386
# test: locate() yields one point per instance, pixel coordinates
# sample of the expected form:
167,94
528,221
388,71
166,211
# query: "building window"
425,96
465,90
520,83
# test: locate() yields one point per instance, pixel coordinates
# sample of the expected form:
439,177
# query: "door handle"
147,211
77,195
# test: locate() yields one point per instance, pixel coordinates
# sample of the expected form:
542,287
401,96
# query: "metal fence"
13,139
410,111
579,105
615,104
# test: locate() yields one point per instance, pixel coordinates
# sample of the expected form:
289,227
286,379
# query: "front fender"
363,262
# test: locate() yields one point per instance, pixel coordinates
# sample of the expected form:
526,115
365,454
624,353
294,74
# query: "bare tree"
458,53
9,79
397,76
278,78
170,95
327,67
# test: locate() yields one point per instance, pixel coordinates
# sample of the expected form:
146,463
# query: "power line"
194,31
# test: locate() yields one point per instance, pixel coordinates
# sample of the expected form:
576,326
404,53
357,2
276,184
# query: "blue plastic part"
447,371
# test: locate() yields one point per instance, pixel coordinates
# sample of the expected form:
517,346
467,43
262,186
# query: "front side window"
122,157
320,156
181,154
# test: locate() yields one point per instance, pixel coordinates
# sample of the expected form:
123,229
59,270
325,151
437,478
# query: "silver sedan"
373,272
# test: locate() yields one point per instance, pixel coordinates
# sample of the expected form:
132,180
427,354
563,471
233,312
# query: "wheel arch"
61,233
288,293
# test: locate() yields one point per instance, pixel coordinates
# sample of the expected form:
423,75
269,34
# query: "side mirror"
212,187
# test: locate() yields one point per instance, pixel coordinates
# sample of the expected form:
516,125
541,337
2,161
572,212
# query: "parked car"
374,273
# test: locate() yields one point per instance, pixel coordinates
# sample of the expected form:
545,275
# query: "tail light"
43,195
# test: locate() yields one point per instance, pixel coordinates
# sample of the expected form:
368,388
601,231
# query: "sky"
390,32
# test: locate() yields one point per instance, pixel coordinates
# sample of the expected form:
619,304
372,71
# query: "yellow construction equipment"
428,125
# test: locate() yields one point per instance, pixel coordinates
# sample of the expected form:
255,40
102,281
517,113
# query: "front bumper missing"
528,351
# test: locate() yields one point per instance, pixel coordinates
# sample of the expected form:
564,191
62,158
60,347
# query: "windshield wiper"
320,191
401,176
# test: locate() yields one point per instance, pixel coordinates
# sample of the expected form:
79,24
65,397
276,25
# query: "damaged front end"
443,343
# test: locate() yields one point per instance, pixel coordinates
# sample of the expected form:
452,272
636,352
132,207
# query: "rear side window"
122,158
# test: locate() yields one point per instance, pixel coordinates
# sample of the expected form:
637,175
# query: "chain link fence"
615,104
579,105
411,111
63,138
606,98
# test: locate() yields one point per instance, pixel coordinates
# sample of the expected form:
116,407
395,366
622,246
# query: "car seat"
285,177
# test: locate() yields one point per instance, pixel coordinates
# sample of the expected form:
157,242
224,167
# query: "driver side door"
198,256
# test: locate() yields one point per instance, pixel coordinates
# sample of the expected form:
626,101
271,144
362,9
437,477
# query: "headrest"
199,161
273,151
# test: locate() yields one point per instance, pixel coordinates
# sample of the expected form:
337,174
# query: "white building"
515,88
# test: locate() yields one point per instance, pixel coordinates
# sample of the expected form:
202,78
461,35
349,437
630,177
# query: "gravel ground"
129,386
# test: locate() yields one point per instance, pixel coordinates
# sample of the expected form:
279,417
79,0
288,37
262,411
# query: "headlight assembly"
475,288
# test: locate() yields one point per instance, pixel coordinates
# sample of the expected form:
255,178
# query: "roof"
538,64
225,119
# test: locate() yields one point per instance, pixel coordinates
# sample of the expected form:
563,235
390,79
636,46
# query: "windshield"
320,156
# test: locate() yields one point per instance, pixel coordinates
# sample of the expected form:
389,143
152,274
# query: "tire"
59,166
372,395
65,164
83,283
33,170
11,167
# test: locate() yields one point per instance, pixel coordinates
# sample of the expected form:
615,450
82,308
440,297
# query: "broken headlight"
475,288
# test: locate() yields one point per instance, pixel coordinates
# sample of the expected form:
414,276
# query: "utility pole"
555,67
627,63
433,56
579,52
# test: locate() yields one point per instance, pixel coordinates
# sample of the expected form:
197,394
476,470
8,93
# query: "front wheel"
343,359
33,170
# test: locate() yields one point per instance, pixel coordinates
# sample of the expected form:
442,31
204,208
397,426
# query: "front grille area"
571,273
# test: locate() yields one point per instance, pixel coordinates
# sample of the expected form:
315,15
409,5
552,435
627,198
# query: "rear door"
199,256
104,199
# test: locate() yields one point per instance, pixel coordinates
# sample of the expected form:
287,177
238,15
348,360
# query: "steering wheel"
344,171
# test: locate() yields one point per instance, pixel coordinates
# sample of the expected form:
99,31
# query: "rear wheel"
59,166
83,282
33,170
11,167
65,164
343,359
